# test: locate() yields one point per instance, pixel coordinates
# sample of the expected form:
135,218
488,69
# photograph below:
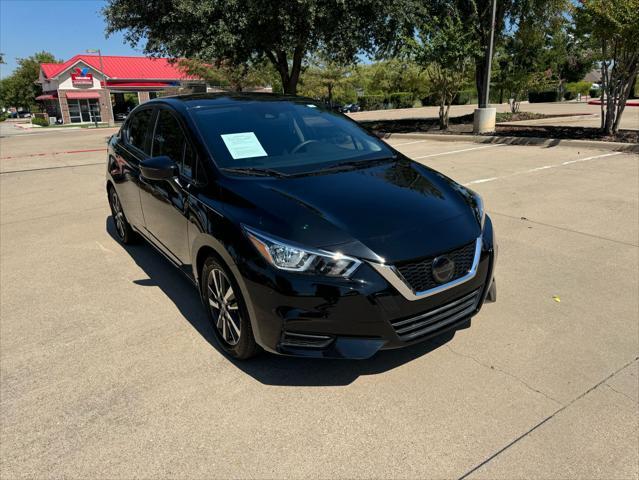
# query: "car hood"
390,212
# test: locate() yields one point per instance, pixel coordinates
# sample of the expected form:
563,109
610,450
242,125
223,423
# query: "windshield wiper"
263,172
353,164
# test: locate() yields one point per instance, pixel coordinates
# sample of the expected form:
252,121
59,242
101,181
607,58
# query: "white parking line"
406,143
459,151
545,167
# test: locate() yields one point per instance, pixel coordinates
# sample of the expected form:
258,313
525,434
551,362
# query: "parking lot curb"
537,141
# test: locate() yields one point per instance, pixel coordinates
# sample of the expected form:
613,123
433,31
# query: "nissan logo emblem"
443,269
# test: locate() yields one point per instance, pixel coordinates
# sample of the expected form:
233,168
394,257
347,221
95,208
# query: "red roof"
137,68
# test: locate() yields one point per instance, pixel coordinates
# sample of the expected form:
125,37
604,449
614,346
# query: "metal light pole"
484,118
489,59
106,88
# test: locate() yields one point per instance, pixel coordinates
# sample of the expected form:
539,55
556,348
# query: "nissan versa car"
304,234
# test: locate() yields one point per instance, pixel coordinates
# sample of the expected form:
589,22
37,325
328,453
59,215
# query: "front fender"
211,231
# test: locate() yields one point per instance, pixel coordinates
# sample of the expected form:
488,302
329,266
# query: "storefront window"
84,110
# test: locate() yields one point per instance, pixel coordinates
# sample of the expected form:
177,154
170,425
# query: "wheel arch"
207,245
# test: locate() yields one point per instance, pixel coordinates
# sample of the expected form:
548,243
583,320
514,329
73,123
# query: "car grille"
429,322
418,275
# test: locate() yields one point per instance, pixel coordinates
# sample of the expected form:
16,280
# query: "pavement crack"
493,367
570,230
620,393
548,418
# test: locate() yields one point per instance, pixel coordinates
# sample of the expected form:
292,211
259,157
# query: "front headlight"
294,258
478,207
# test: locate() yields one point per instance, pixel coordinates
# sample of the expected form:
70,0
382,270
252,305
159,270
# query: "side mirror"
158,168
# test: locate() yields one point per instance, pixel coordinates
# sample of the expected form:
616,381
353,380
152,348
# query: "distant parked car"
120,117
351,107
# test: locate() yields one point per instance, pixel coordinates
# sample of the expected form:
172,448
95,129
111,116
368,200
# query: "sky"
62,27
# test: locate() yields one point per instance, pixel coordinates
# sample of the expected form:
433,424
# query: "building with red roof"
103,88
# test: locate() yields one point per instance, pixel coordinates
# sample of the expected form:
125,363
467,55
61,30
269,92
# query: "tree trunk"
621,105
446,115
291,77
442,121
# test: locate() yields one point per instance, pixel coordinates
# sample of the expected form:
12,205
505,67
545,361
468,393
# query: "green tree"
522,61
399,74
239,31
476,17
613,28
445,49
20,88
324,77
226,74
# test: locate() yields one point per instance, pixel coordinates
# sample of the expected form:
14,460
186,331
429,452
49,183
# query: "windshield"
286,136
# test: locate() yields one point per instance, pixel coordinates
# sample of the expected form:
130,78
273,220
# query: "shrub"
594,92
372,102
464,97
578,87
43,122
401,99
429,100
543,96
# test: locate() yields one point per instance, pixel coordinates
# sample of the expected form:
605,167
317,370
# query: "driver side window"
169,139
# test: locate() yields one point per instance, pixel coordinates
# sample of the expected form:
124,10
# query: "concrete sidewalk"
630,119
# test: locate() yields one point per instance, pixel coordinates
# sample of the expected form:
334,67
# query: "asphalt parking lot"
109,368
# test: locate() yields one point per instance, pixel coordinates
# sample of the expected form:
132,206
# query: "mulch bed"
579,133
464,125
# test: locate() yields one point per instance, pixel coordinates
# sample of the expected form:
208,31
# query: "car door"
132,147
165,202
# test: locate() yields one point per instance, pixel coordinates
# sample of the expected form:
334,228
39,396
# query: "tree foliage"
19,89
239,31
522,62
613,28
225,74
323,78
476,17
445,50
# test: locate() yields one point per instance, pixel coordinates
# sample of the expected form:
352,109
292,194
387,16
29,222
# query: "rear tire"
123,229
226,309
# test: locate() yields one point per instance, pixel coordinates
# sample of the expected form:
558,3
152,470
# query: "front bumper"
326,317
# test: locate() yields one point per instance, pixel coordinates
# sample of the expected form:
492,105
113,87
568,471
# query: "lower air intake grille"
429,322
419,274
305,340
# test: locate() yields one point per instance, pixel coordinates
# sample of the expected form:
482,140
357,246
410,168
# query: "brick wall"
106,112
64,107
143,97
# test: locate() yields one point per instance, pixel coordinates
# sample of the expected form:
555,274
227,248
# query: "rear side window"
137,129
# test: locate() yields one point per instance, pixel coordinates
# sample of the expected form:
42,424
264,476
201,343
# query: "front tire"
226,310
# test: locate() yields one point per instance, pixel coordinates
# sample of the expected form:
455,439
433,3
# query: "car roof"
199,100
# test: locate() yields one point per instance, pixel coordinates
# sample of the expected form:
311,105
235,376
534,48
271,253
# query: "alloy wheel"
224,306
118,214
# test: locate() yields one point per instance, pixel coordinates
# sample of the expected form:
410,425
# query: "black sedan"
304,234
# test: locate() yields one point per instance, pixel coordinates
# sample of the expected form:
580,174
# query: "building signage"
82,77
